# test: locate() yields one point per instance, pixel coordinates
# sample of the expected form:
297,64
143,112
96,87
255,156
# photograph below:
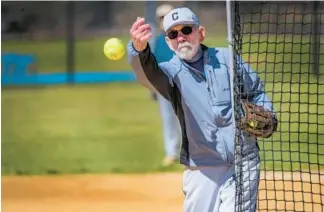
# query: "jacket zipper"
209,85
212,83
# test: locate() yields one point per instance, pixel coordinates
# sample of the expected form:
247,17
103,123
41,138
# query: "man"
171,127
196,81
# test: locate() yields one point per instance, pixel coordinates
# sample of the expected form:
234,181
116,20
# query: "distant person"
171,126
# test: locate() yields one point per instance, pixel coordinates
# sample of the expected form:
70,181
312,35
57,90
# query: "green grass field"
300,139
283,58
117,128
95,128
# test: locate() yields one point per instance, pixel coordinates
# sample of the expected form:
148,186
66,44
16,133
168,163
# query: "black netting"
284,44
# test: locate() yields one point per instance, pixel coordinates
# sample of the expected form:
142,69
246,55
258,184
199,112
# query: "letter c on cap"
175,16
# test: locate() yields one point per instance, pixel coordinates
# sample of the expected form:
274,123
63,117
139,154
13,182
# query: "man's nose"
181,37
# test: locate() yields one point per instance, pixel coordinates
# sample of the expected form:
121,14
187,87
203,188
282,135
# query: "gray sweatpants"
212,189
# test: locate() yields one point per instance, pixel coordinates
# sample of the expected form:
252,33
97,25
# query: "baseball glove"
257,120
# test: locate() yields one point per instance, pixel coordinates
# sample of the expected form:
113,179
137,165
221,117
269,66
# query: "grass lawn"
117,128
299,142
94,128
285,65
283,58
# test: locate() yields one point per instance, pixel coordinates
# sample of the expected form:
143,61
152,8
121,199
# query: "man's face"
185,40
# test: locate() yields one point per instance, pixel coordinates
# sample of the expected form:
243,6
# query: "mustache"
184,44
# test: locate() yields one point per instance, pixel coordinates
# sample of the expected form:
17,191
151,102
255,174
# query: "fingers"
140,33
140,21
143,36
145,27
146,37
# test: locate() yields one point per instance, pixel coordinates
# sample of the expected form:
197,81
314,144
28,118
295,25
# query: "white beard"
186,51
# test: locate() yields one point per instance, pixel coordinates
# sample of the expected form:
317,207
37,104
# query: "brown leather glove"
257,120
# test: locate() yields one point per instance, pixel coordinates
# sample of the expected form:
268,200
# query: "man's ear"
168,41
202,34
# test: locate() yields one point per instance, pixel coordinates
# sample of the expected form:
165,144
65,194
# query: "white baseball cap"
178,16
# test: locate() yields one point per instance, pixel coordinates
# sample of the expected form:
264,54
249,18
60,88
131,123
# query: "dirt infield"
139,193
89,193
287,191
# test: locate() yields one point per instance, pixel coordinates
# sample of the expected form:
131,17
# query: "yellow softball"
114,49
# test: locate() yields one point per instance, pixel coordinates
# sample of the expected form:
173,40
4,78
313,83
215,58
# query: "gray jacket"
202,102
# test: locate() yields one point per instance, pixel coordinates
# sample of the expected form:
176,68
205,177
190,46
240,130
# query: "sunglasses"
173,34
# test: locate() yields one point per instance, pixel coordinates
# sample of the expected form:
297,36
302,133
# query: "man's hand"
140,33
257,120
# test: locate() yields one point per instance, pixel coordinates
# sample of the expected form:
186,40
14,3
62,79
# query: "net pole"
232,66
230,47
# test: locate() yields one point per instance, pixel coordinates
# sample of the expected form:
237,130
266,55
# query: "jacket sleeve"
254,87
148,72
